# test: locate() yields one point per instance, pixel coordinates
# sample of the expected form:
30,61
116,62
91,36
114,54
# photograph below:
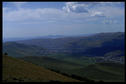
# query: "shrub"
5,53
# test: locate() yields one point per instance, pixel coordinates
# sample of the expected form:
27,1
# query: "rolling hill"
19,50
15,70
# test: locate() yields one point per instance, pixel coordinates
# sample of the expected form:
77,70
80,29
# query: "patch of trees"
14,79
54,81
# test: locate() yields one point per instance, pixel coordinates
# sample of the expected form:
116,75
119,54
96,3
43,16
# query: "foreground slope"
108,72
15,70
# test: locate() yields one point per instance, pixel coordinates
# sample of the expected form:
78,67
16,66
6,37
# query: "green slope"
15,70
19,50
108,72
52,63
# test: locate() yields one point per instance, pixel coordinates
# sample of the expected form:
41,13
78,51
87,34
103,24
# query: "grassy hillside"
15,70
18,50
108,72
49,62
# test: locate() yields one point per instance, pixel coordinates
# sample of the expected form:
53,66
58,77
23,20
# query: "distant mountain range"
95,45
48,36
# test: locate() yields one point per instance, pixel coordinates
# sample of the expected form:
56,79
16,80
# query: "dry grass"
15,70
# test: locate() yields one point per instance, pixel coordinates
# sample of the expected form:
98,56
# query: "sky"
31,19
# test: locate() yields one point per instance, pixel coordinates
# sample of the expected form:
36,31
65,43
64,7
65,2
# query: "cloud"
18,3
32,14
75,7
110,21
97,14
88,7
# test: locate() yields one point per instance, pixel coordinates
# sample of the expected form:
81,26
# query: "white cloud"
97,14
18,3
75,7
110,22
32,14
112,12
98,8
